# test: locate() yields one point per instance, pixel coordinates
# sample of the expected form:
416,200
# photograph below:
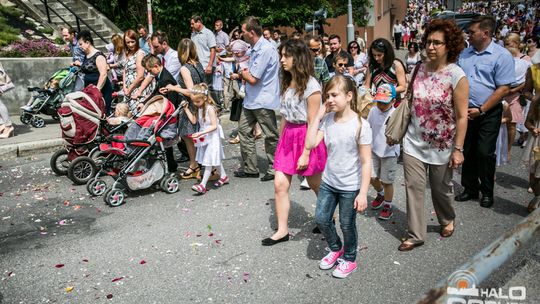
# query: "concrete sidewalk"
29,140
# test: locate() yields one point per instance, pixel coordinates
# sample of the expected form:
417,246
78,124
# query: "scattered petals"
142,262
69,289
10,274
85,260
397,263
66,203
198,235
62,222
210,234
76,207
109,296
218,242
59,265
117,279
196,244
246,277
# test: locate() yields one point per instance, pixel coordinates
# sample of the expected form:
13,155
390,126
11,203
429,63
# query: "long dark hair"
381,45
302,67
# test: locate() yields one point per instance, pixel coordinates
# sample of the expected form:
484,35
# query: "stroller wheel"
114,197
26,118
170,184
59,162
96,187
37,122
81,170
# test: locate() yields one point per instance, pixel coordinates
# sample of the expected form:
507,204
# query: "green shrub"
11,11
59,40
7,38
47,31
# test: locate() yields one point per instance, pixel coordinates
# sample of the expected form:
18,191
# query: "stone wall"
28,72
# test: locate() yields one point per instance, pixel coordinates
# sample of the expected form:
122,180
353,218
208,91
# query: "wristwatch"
480,110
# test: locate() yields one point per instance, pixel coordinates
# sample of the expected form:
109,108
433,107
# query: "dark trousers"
397,40
172,165
478,172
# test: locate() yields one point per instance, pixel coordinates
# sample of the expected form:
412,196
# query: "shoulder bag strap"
409,93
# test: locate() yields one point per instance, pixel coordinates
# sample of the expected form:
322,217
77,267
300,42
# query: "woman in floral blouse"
433,144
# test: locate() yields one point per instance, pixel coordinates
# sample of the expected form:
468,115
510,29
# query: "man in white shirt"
168,56
397,30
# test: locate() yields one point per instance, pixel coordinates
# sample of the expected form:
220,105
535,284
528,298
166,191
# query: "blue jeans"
327,202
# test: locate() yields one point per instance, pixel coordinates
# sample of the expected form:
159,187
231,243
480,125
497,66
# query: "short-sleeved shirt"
343,169
321,70
330,60
76,52
172,64
204,41
293,107
486,70
222,40
144,45
264,66
377,120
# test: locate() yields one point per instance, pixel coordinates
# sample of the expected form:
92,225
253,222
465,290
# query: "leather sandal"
445,232
234,141
407,245
191,173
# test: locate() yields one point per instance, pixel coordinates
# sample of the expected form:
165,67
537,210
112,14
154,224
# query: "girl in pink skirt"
300,103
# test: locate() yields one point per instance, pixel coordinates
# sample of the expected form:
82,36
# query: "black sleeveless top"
89,65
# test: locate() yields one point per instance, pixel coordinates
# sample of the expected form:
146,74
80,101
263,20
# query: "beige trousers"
442,195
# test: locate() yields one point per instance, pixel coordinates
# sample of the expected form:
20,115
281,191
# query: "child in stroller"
47,100
139,156
84,127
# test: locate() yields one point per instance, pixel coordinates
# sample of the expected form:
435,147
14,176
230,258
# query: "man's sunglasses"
341,65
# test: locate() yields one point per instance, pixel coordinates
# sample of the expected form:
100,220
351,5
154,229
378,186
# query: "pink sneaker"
344,269
330,259
386,212
377,202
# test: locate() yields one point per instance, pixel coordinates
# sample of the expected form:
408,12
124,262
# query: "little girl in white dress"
208,140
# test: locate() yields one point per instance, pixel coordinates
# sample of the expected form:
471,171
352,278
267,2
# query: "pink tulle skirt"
290,148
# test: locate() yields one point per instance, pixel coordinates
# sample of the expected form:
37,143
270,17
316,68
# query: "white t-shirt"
521,66
293,108
343,168
377,120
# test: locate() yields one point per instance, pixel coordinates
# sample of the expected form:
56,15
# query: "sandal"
214,176
234,141
533,204
222,181
199,189
191,173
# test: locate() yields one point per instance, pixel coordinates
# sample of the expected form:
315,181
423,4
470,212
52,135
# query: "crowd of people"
461,88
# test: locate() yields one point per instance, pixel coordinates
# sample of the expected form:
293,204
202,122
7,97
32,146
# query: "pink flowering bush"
33,48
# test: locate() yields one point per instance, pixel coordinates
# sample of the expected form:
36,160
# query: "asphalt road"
58,245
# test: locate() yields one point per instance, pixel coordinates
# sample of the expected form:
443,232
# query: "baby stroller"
139,155
47,100
84,127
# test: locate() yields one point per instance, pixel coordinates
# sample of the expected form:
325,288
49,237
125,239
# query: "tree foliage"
172,16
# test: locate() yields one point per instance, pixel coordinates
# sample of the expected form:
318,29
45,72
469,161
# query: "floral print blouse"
430,136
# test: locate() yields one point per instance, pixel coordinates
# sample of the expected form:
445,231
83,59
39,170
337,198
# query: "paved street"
59,245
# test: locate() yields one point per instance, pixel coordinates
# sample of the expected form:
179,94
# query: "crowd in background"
254,71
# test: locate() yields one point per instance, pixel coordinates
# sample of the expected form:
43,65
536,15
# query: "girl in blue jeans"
346,176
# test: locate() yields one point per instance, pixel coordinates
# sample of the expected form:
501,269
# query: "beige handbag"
397,124
5,82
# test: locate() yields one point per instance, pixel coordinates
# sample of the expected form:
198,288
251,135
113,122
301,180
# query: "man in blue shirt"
77,54
490,71
262,98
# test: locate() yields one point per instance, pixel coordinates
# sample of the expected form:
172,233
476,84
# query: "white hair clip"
194,91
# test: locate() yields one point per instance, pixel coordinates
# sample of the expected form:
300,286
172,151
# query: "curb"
30,148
